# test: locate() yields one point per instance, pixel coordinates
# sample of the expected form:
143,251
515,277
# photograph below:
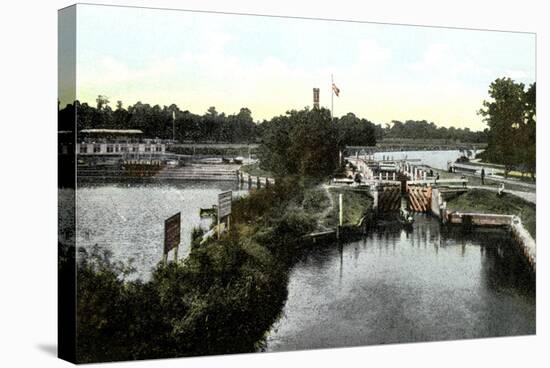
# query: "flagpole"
173,126
331,97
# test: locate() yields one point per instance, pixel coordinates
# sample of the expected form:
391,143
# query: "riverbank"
225,296
490,181
221,299
356,205
483,201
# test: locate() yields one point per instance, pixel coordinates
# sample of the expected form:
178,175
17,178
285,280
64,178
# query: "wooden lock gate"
389,198
420,198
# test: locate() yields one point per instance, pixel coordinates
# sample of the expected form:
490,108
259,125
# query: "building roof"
111,131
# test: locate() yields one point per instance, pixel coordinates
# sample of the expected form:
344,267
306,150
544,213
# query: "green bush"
221,299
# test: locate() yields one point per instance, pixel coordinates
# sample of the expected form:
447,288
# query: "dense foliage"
304,143
511,117
483,201
158,122
213,126
414,129
221,299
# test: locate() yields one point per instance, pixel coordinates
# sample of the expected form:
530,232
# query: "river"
395,286
392,286
128,219
435,159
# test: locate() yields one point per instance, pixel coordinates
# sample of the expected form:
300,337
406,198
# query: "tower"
315,98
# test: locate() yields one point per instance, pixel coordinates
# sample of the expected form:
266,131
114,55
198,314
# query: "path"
510,182
327,210
527,196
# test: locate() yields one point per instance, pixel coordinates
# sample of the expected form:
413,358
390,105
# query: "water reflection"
394,286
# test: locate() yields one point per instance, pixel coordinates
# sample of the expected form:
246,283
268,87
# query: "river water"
395,286
435,159
128,219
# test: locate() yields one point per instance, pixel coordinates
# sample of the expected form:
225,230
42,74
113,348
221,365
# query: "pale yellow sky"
270,65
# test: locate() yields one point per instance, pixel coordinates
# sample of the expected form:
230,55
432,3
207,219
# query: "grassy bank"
482,201
476,181
356,204
221,299
322,204
521,176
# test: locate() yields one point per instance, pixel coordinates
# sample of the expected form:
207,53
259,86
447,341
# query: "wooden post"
249,181
176,253
340,216
164,258
374,191
341,211
219,227
258,182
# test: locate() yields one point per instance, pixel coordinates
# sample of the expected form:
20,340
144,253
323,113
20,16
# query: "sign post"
172,231
224,208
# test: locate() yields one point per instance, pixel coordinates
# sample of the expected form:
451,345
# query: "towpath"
528,196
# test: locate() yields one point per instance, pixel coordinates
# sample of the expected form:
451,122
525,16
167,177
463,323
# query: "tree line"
158,122
161,122
421,129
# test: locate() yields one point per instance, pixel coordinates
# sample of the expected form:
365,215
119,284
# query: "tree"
529,130
303,143
510,116
102,101
212,111
353,131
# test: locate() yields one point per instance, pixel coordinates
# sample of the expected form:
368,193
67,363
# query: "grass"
522,176
315,201
355,204
475,181
482,201
221,299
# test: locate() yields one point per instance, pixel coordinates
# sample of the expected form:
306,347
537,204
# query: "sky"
271,64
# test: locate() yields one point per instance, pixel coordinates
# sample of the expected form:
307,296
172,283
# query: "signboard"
172,232
224,204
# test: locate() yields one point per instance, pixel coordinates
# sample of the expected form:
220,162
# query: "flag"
335,89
